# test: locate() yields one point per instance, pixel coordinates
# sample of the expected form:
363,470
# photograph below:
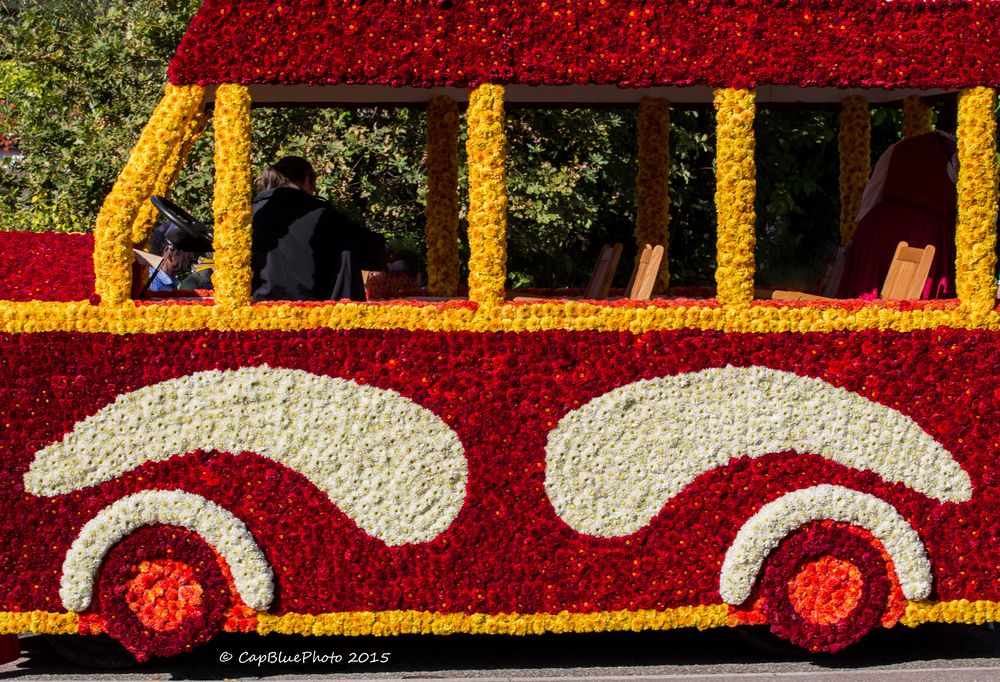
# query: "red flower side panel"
502,394
46,266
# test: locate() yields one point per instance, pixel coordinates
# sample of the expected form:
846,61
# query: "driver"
175,262
303,249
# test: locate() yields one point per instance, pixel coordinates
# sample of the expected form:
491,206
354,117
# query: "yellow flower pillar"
441,228
975,233
855,143
916,116
142,227
652,224
231,204
487,150
113,230
735,187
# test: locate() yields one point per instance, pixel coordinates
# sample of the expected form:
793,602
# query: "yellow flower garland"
231,204
442,197
42,622
916,116
735,186
487,149
425,622
113,231
958,611
146,219
652,223
855,142
975,232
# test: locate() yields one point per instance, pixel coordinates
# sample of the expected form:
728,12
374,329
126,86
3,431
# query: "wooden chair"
600,279
647,267
604,272
905,280
907,275
831,279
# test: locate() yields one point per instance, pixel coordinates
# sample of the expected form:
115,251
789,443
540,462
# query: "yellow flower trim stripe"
231,204
916,116
959,611
652,223
442,197
147,217
487,150
424,622
36,316
113,230
975,233
855,143
42,622
735,187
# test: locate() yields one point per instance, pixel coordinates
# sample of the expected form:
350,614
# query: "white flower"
340,435
218,527
695,422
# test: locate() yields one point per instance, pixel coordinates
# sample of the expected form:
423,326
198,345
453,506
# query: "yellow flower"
42,622
652,224
113,231
855,161
167,177
231,204
975,233
442,197
487,151
735,185
916,116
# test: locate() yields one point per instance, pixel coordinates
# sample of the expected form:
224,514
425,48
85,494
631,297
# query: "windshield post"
147,217
113,232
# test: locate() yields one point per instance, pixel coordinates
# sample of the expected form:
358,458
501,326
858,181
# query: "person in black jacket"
303,249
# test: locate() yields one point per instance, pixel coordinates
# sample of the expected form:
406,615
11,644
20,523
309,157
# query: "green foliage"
798,196
571,187
84,76
692,198
798,190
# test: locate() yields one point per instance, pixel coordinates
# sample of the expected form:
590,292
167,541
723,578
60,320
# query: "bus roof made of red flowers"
632,43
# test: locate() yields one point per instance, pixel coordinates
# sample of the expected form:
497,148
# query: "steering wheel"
186,233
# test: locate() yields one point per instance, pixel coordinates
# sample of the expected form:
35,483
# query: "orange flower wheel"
162,592
825,588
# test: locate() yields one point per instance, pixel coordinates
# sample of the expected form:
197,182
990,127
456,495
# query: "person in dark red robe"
911,198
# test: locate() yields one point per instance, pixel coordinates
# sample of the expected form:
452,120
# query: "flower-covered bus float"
172,469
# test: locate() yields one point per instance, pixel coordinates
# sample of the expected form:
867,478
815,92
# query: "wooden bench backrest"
831,281
604,271
647,267
908,272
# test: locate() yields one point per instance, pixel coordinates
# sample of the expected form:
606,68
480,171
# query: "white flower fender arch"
612,464
763,531
395,468
226,534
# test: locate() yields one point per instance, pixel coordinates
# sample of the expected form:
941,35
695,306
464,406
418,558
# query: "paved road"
932,653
